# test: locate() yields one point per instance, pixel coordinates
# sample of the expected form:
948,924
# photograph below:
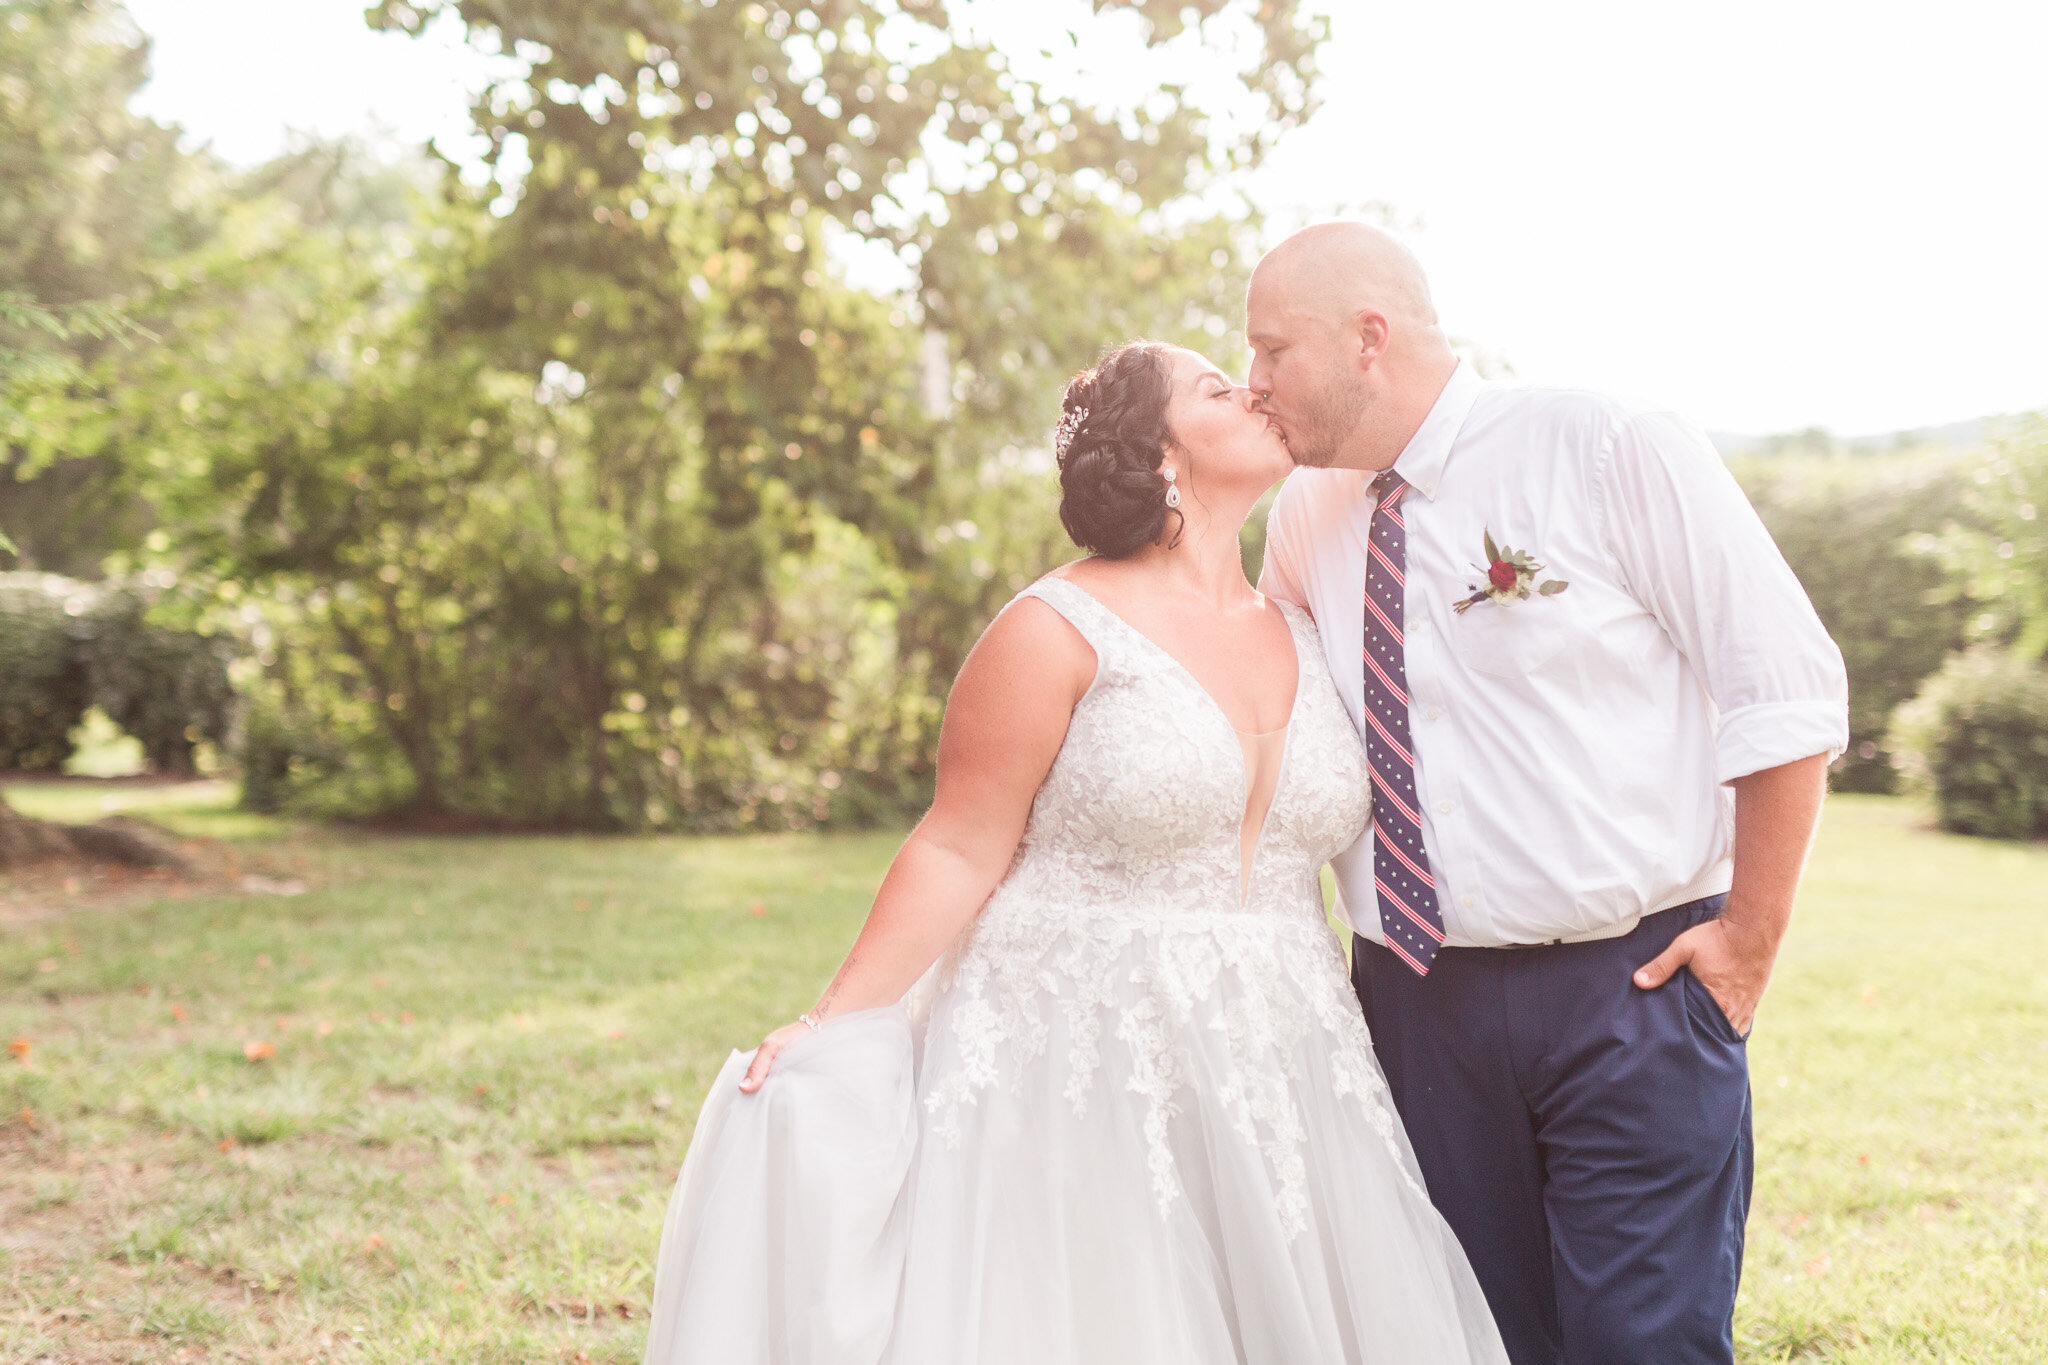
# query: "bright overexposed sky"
1771,214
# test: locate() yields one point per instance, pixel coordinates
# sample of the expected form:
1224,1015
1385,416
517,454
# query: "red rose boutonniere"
1510,577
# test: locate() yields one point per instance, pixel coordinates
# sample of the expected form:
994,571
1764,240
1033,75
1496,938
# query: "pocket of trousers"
1706,1011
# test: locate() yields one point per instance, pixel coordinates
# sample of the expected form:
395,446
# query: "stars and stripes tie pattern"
1409,913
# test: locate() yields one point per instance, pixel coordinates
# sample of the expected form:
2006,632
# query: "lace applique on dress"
1136,917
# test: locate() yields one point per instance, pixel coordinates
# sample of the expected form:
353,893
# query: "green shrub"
1976,739
1845,524
43,685
66,646
287,765
166,686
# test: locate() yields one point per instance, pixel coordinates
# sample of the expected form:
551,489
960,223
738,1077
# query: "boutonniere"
1510,577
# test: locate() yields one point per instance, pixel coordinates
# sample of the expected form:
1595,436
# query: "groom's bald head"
1346,351
1333,271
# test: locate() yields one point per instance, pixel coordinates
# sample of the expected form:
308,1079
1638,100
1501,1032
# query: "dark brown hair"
1112,495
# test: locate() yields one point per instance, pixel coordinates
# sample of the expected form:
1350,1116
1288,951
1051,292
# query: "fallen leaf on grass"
257,1050
178,1013
615,1034
323,1028
501,1198
1870,995
28,1118
226,1144
263,959
1819,1264
18,1048
372,1242
759,909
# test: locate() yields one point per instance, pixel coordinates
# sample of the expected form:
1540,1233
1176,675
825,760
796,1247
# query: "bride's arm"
1005,721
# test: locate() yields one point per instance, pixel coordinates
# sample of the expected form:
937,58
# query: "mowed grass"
488,1053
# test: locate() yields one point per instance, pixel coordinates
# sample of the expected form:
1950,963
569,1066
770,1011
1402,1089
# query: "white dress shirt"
1570,750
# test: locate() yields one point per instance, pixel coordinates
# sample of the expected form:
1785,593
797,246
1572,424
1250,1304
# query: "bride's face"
1219,442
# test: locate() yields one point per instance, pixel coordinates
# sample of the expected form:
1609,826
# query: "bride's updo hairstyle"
1110,444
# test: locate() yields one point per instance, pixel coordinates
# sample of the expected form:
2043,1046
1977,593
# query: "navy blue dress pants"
1589,1142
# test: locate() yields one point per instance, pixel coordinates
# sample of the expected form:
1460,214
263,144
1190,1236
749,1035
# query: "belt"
1621,930
1618,930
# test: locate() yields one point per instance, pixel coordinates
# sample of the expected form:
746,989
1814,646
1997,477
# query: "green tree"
2002,547
90,197
598,493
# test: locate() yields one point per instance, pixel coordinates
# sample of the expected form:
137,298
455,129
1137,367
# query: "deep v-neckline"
1247,861
1293,642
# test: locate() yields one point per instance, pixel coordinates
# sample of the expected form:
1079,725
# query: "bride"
1130,1112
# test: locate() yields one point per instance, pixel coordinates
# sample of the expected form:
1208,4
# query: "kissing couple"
1096,1084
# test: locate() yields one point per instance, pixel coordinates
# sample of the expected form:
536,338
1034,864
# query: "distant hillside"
1820,441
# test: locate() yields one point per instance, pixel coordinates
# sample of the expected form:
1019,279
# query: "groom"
1598,711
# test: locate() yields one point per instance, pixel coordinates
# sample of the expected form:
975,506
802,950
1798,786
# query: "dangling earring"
1172,490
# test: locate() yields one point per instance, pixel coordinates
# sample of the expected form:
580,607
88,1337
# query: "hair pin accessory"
1063,434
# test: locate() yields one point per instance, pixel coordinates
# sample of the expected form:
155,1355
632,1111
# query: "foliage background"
590,490
658,467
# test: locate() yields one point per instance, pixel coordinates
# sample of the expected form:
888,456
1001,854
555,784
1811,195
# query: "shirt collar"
1421,462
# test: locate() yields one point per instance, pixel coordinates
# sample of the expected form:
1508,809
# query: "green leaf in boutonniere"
1553,587
1492,551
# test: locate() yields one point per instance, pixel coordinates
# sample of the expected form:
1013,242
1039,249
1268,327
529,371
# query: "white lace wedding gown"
1138,1118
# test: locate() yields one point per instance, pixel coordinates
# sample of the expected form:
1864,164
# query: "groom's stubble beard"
1325,418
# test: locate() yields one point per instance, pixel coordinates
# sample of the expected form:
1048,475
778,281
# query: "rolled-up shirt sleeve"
1698,558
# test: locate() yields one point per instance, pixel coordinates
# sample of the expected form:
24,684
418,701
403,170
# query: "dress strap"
1105,633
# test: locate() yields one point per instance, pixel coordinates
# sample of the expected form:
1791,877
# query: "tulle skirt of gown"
1206,1181
1137,1119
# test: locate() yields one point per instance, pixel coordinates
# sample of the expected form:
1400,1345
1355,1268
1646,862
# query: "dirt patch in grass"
56,888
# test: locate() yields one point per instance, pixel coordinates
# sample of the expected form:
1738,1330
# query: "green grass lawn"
488,1052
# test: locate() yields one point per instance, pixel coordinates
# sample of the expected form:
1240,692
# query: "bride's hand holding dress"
1005,721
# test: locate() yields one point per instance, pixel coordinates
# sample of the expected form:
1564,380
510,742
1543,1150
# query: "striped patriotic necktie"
1400,868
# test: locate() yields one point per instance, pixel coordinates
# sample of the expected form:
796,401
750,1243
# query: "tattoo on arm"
824,1004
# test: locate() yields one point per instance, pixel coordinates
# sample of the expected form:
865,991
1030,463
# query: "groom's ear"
1370,336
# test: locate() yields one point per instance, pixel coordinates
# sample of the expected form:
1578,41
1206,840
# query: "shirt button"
1444,807
1432,713
1468,901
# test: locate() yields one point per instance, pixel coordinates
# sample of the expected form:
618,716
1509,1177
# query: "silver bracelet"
806,1019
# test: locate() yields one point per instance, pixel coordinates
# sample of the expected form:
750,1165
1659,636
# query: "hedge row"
66,646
